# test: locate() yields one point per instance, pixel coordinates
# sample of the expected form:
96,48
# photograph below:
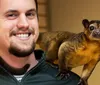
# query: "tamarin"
69,50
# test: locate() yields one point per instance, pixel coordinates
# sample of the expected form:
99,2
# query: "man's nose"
22,22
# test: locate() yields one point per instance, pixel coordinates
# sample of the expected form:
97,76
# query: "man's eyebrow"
14,11
34,10
11,11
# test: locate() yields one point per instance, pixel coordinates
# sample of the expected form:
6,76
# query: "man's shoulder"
71,78
47,73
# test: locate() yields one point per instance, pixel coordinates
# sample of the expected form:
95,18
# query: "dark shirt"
42,74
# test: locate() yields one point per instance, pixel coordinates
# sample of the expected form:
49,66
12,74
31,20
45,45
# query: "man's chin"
20,53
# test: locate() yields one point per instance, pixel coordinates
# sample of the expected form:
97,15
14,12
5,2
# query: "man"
20,64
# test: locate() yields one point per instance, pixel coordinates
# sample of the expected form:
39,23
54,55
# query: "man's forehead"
17,4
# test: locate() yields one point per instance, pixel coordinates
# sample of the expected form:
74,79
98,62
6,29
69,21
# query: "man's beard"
16,50
21,53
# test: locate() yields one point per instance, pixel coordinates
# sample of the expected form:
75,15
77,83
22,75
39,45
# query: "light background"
67,15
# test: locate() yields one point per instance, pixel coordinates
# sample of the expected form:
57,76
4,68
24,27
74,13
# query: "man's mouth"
22,36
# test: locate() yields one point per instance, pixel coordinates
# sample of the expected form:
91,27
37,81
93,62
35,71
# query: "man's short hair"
36,5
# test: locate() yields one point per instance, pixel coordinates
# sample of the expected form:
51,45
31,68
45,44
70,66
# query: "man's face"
18,26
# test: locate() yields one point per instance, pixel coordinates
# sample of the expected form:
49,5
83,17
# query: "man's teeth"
22,35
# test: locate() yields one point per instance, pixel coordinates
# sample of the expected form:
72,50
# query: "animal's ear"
85,23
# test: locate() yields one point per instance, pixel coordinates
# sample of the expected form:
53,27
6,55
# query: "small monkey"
69,50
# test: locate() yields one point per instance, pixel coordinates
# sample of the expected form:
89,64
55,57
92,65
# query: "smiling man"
20,64
18,33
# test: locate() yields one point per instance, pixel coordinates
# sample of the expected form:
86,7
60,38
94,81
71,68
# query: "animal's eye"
92,28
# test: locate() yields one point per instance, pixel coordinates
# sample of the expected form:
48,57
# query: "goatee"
21,53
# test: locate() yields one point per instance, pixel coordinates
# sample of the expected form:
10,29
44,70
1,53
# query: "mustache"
21,30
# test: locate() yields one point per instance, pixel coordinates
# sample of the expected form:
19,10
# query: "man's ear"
85,23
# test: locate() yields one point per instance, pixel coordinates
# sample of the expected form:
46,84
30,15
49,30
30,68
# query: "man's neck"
18,64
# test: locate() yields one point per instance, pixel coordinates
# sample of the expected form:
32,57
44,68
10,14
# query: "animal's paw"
82,82
62,75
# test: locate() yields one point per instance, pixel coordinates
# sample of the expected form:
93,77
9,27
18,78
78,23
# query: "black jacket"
41,74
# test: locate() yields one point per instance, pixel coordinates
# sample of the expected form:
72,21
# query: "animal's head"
92,29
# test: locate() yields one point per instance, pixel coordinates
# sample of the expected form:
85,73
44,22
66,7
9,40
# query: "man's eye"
11,16
31,15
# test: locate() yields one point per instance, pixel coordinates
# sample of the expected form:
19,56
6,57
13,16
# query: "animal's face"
92,29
